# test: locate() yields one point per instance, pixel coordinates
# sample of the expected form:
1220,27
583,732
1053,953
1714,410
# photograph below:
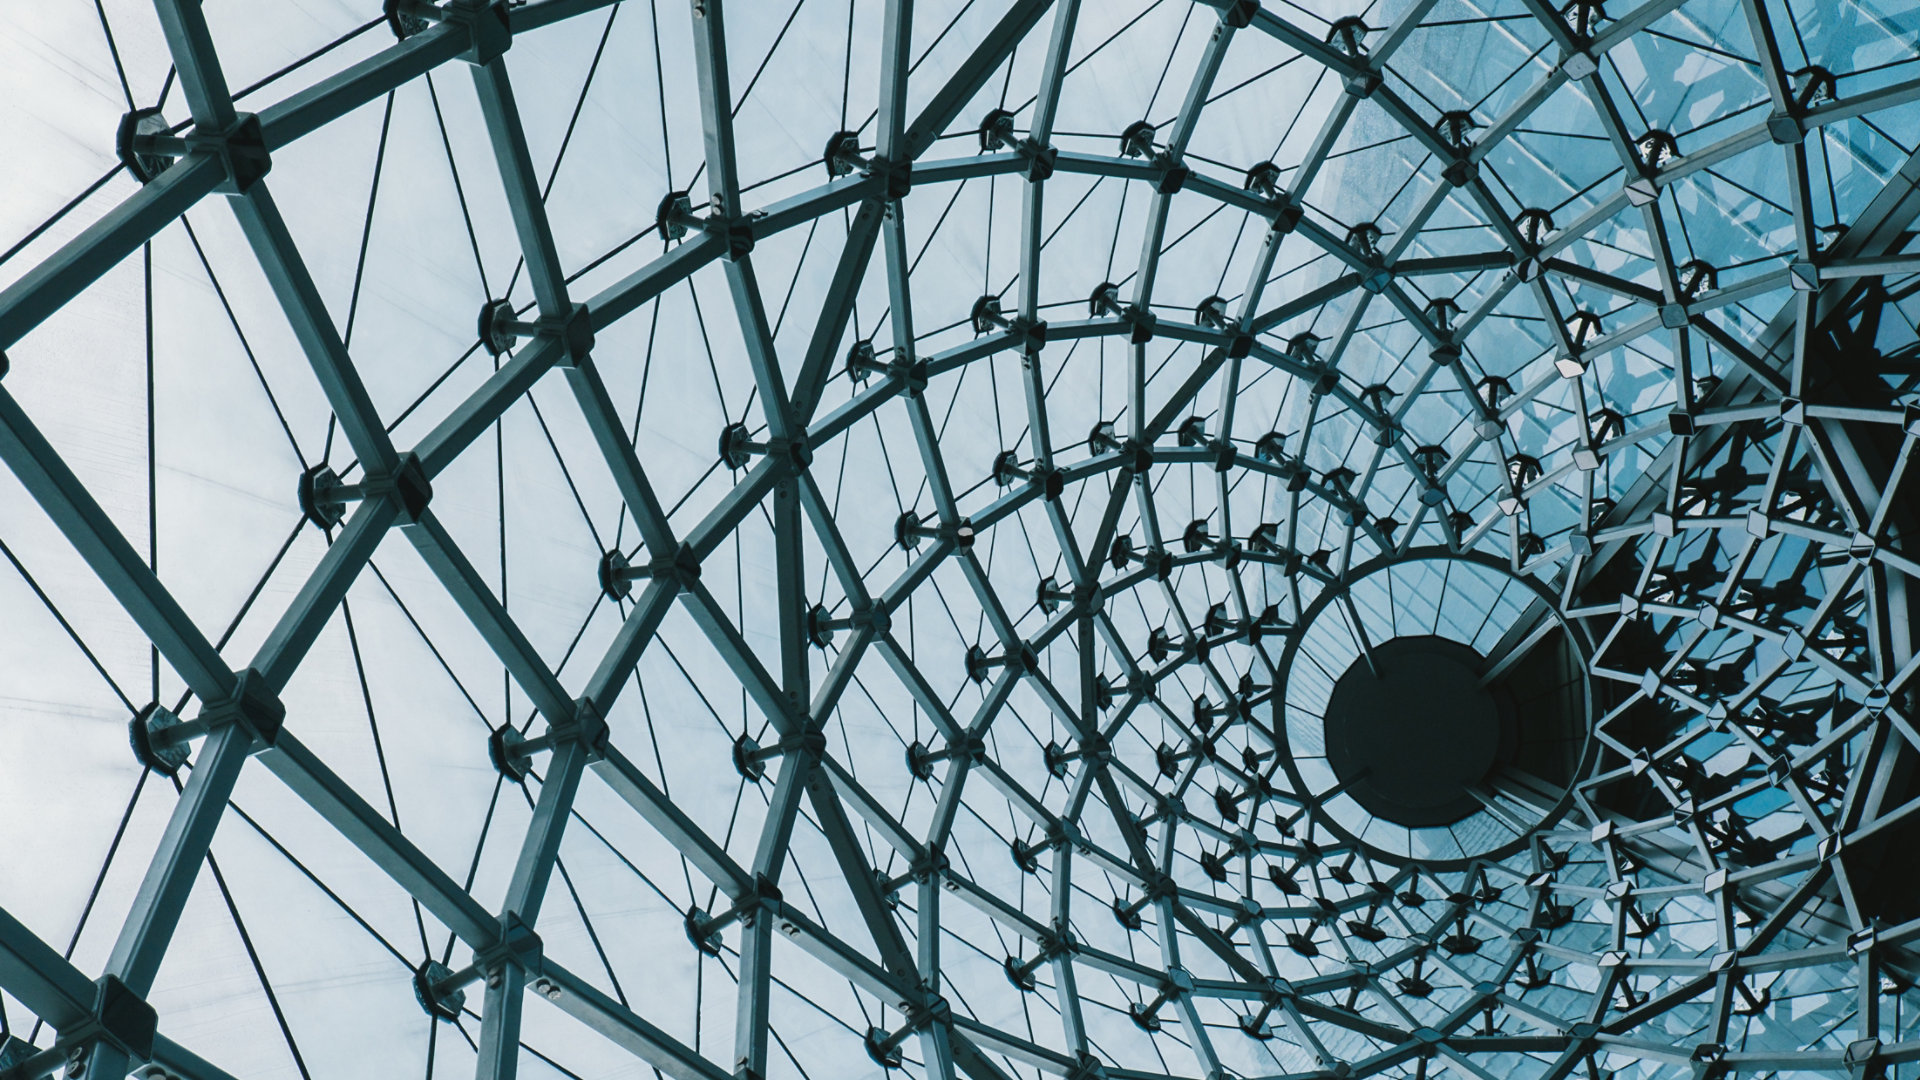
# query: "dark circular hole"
1412,732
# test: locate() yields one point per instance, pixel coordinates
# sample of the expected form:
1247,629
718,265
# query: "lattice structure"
705,552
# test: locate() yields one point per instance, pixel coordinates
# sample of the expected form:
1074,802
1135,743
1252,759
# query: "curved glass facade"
990,539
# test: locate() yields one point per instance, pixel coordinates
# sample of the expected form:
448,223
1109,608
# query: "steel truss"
1539,993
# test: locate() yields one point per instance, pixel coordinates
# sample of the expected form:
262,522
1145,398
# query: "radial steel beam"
716,107
196,63
659,811
534,869
505,979
995,46
56,992
300,299
619,1025
94,535
368,829
149,927
760,684
836,310
623,653
597,407
40,978
500,1014
62,276
896,59
858,872
525,199
312,607
626,295
472,417
306,111
469,590
753,1006
757,334
1033,196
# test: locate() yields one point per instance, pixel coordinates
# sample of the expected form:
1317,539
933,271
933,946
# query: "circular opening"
1434,708
1413,728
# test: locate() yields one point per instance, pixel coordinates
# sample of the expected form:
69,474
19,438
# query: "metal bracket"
518,946
675,218
1094,748
1022,658
512,753
921,760
436,988
996,133
680,566
1088,1068
1135,456
489,29
159,738
1785,129
987,316
138,143
909,530
703,930
146,149
1461,172
863,363
155,742
842,157
323,497
121,1018
1137,141
500,331
441,991
884,1048
821,624
1051,483
1146,1015
1106,301
1027,856
738,447
750,758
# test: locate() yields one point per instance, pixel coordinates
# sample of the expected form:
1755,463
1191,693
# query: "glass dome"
988,538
